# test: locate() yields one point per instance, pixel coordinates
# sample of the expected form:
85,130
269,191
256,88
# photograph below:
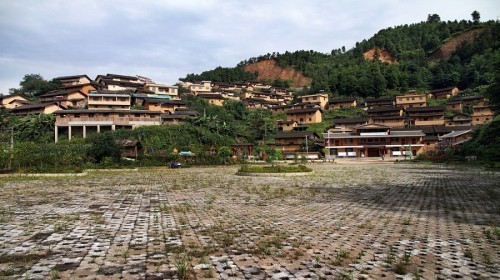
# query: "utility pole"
11,147
307,149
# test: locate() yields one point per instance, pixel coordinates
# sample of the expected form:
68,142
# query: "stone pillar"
69,132
56,133
113,127
98,129
84,131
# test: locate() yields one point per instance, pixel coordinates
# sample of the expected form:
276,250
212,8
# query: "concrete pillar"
113,127
69,133
84,131
56,133
98,129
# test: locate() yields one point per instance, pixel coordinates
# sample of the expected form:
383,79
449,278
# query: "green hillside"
347,73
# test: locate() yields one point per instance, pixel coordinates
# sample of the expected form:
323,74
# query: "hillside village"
400,126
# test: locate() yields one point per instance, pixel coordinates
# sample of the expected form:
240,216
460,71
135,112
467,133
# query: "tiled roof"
295,134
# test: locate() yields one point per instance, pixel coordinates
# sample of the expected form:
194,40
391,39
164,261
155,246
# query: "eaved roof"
34,106
295,134
74,77
442,89
90,111
454,134
341,100
352,120
305,110
384,109
210,96
424,109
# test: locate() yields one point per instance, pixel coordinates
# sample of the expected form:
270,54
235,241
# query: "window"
310,119
315,98
152,116
121,115
77,115
91,115
137,115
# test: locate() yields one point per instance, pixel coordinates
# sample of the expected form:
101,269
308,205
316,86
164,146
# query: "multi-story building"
373,140
378,102
82,122
337,103
162,89
292,141
411,99
459,120
482,112
387,115
202,87
13,100
430,115
443,93
74,80
305,116
213,98
116,82
109,100
66,98
36,108
163,105
320,99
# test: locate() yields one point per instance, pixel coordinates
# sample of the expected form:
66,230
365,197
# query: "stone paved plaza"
346,221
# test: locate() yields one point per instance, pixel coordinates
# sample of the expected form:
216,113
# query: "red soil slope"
384,55
270,70
445,51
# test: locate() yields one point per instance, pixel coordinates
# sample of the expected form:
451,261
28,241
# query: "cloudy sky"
167,39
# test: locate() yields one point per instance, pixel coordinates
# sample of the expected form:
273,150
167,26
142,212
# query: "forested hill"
472,49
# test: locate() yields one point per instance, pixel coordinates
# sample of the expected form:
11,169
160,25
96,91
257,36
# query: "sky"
167,39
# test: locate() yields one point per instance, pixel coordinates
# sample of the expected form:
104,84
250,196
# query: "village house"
387,115
379,102
443,93
337,103
65,98
36,108
482,112
455,106
114,82
81,122
348,124
180,115
459,120
202,87
162,105
74,80
162,89
213,98
305,116
9,101
430,115
320,99
373,140
85,88
109,100
284,125
411,99
292,142
454,138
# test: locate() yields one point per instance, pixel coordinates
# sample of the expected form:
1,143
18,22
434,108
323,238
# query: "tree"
475,17
103,146
36,85
433,18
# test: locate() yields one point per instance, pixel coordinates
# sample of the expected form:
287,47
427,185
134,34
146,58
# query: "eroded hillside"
447,48
383,55
271,70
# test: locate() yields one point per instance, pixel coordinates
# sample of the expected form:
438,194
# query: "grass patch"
274,168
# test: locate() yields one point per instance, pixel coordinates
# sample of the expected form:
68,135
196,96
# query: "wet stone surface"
352,221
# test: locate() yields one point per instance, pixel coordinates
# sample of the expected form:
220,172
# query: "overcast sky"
167,39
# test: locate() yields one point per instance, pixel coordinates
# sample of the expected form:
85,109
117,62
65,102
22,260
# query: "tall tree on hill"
35,85
475,17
